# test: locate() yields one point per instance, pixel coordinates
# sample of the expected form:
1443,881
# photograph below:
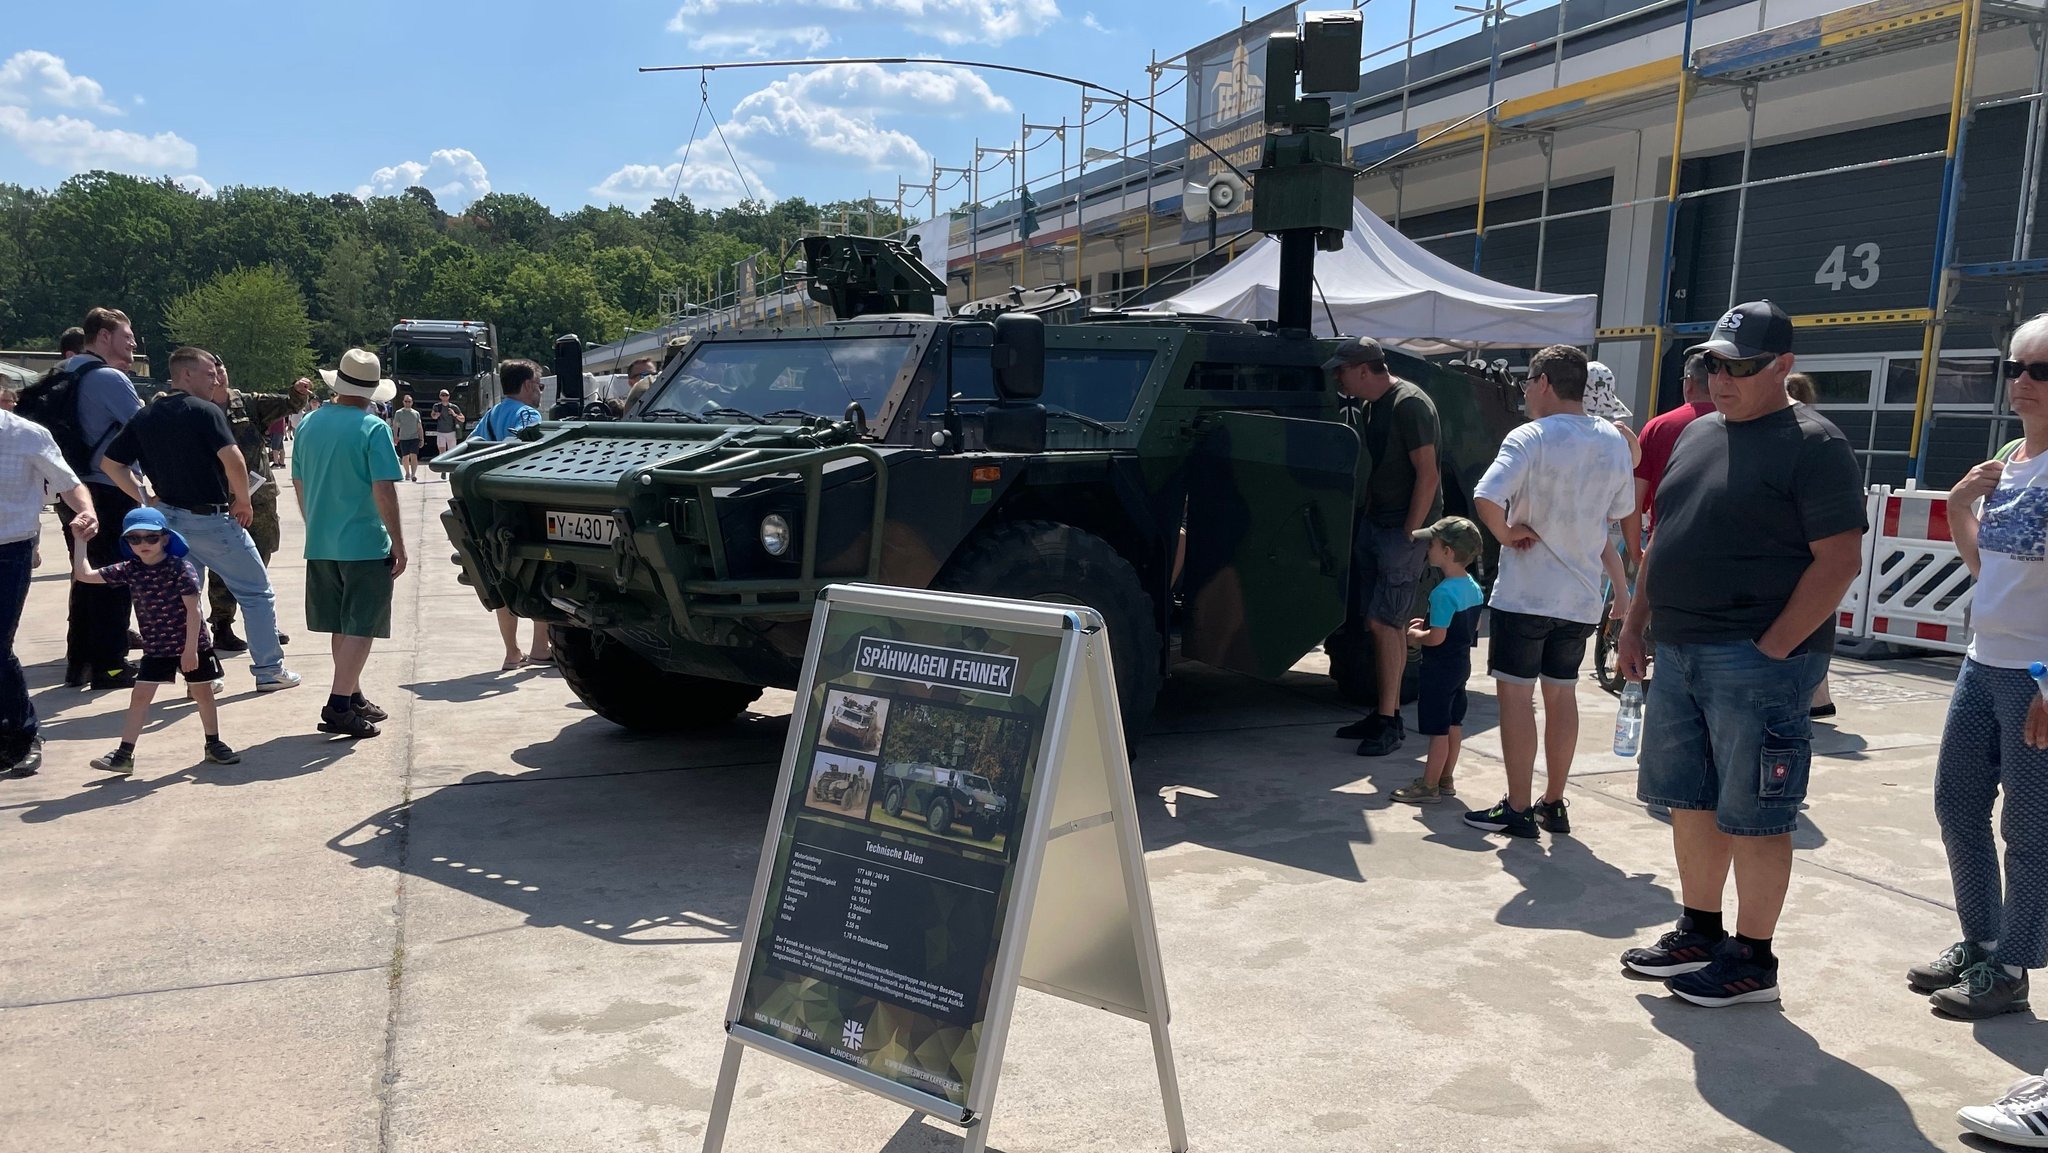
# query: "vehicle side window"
1215,376
1098,383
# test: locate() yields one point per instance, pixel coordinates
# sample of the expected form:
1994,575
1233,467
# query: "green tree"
354,297
252,318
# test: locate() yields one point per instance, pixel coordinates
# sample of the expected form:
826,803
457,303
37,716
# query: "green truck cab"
1188,478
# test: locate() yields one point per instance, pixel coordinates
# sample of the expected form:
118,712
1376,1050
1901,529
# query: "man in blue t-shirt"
520,409
96,643
345,471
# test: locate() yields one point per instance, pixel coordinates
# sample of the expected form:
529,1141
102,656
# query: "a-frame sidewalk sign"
954,819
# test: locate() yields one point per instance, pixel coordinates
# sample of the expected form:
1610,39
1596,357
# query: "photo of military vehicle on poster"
951,772
839,784
855,721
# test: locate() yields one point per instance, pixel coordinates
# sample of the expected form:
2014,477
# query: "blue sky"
467,96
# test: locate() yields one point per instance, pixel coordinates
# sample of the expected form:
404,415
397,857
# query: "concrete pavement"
508,925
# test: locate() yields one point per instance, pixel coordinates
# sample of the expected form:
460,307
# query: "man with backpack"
84,402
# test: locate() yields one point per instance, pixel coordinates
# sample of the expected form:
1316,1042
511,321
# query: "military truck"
1187,477
426,356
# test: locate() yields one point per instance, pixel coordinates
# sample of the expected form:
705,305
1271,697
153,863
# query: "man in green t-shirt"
1400,491
345,472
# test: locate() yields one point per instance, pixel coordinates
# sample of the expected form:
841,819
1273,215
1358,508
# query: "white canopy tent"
1383,285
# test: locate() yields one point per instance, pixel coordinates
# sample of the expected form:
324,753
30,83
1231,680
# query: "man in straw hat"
346,475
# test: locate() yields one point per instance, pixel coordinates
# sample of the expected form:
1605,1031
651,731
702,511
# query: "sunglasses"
2014,369
144,538
1741,369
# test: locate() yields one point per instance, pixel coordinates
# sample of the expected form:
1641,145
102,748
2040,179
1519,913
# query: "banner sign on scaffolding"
954,819
1226,82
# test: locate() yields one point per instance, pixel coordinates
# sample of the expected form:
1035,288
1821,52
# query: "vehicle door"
1270,502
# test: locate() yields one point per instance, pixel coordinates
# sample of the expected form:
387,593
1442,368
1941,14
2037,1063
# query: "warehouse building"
1875,169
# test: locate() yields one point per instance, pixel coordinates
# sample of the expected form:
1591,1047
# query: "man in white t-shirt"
1549,497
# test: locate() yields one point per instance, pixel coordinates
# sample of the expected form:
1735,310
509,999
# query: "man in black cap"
1760,526
1399,494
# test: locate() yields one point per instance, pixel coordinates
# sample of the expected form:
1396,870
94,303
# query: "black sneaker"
1985,990
225,640
119,762
1389,737
218,752
346,722
1502,819
21,758
1946,969
370,712
1733,977
1551,815
1364,726
1677,952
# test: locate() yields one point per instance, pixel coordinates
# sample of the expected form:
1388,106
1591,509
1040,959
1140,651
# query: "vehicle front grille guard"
673,536
742,597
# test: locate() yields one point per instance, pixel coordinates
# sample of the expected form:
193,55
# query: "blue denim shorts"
1726,729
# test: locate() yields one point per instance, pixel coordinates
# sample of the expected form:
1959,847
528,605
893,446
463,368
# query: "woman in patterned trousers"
1996,738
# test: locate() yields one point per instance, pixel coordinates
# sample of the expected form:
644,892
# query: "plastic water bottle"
2039,672
1628,721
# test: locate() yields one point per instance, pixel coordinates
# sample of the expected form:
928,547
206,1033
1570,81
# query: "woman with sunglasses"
1996,737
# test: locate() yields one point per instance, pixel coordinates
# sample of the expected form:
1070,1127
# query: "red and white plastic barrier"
1914,589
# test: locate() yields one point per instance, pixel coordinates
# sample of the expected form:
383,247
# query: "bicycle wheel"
1606,666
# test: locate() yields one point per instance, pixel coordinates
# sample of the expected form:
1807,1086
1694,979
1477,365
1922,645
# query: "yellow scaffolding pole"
1958,109
1485,160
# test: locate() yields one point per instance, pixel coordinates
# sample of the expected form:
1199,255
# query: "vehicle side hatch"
1270,503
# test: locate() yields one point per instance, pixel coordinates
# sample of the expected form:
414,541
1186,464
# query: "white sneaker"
2018,1118
285,679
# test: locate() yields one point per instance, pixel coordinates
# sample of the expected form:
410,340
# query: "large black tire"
1047,561
624,688
892,803
940,818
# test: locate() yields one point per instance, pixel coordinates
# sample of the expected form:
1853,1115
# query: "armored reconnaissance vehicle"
1186,477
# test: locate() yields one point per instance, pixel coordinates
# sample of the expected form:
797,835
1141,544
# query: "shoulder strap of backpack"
2010,450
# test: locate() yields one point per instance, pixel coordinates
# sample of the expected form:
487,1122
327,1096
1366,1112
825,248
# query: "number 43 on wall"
1834,271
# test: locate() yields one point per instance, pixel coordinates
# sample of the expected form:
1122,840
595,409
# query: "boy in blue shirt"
1447,638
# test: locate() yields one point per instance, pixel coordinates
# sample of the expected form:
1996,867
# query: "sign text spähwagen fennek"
954,668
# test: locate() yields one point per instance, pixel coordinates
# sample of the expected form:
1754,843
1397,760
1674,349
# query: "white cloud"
194,183
949,21
707,185
830,116
971,21
37,77
1089,22
78,145
759,42
454,175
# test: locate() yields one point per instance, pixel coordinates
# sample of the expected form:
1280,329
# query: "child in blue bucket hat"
174,637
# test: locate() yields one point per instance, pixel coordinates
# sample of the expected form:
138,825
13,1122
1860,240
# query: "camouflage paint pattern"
1230,432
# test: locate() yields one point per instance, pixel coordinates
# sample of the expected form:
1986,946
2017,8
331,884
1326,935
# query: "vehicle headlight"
775,534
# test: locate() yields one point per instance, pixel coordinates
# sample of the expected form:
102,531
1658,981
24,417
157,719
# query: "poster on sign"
954,822
892,869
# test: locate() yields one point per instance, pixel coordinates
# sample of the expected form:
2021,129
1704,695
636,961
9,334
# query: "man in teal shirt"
345,472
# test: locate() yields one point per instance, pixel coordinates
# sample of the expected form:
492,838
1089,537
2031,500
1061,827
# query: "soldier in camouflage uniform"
249,416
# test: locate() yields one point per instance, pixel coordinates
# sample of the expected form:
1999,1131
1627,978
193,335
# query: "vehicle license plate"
591,528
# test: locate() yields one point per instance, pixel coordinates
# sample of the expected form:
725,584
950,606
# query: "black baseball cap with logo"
1758,328
1357,350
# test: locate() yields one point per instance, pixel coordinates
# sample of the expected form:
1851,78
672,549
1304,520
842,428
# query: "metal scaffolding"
1744,66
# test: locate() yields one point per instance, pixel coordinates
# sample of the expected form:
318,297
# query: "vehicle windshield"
435,360
976,781
783,377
